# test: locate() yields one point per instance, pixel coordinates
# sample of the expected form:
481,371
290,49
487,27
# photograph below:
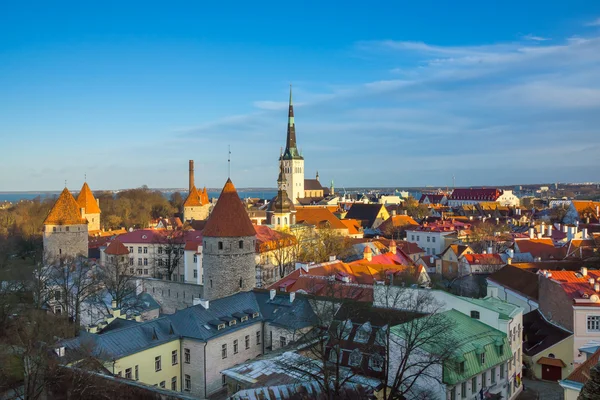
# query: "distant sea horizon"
15,197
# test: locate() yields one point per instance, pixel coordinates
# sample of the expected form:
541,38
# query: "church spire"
291,150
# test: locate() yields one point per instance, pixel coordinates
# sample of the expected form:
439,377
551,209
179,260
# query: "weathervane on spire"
229,161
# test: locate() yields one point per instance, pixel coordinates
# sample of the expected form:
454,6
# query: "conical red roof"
65,211
116,248
87,201
229,217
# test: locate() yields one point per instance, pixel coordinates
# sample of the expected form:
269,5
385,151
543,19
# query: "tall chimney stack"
191,175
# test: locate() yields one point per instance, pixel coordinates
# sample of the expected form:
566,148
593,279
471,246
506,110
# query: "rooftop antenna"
65,183
453,182
85,177
229,161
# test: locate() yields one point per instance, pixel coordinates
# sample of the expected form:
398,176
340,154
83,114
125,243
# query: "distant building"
474,196
65,229
90,208
197,205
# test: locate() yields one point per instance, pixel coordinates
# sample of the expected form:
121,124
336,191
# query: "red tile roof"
484,259
409,248
87,201
65,211
443,226
575,285
581,374
476,194
116,248
229,217
150,236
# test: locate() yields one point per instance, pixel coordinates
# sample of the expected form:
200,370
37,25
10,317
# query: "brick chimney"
191,183
393,247
368,254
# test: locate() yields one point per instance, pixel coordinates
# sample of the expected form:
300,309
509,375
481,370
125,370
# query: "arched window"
363,333
278,221
376,362
285,220
355,358
335,354
344,329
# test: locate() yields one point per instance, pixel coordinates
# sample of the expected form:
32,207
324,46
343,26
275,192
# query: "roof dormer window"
220,326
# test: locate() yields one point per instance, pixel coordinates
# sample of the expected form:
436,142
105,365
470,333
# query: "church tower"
65,229
292,161
281,212
89,207
229,255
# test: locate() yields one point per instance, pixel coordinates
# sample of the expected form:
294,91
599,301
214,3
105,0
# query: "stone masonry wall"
554,303
65,240
229,268
171,295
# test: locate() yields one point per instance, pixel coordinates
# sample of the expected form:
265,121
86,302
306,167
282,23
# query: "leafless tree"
168,254
321,345
69,283
416,347
117,280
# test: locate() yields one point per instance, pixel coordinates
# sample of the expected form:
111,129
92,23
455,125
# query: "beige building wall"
93,221
582,335
563,350
145,360
214,358
65,241
198,213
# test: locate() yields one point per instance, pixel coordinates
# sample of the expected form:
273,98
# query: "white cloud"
595,22
501,113
535,38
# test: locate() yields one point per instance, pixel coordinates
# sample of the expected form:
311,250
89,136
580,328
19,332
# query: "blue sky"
394,94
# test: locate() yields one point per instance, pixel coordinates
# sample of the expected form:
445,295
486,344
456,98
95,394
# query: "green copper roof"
505,309
473,338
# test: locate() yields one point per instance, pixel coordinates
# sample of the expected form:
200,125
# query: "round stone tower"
228,254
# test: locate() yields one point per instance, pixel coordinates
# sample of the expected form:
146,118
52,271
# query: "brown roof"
581,374
194,199
518,280
86,200
409,248
116,248
229,217
555,362
65,211
312,184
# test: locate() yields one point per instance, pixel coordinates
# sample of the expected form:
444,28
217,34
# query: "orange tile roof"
204,196
316,280
543,248
229,217
318,216
353,226
194,198
87,201
65,211
268,239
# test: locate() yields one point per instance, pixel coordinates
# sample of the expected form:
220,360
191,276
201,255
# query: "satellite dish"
130,229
